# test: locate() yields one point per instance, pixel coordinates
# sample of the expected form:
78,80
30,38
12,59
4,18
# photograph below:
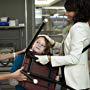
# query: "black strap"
86,48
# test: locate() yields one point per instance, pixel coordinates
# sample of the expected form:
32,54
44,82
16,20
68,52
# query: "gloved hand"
42,59
52,42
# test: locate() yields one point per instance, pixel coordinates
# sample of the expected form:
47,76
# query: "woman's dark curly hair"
81,7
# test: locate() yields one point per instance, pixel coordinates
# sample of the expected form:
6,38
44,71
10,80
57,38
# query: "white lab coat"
76,63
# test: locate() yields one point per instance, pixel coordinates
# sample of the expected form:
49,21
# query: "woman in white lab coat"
76,69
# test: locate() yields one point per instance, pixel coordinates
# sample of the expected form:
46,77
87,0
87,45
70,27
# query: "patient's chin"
36,51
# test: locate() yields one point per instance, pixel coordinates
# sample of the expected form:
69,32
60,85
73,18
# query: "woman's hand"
23,50
52,42
42,59
18,75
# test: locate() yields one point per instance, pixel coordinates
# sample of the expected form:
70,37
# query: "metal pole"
26,23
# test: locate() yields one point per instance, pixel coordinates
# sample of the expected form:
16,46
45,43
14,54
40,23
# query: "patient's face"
39,45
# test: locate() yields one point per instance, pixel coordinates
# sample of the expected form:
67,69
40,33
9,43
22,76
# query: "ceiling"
51,7
43,3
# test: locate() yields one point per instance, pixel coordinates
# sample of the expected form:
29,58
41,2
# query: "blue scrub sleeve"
17,62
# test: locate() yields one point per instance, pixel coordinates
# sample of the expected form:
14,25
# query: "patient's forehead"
41,39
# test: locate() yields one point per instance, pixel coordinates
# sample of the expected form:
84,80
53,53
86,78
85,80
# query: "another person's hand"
42,59
52,42
18,75
23,50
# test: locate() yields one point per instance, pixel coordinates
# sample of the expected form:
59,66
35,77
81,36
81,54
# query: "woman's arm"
6,76
10,55
16,75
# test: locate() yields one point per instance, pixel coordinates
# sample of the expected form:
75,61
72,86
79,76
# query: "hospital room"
44,44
